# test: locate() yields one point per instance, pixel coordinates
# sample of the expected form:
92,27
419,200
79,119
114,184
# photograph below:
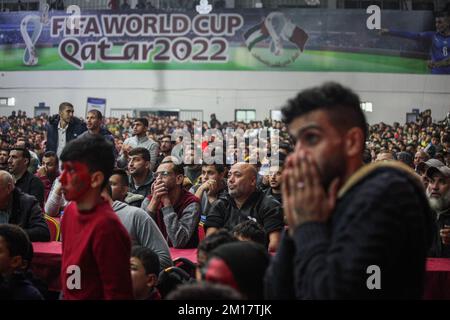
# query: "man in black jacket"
21,209
63,128
18,162
355,231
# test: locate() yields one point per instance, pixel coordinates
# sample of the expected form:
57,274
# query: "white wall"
220,92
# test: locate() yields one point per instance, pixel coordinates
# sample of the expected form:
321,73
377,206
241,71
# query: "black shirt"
265,210
276,196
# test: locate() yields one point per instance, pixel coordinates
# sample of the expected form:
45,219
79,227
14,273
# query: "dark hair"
251,230
341,104
94,151
97,113
16,239
144,121
143,152
50,154
149,259
216,239
123,175
25,153
167,136
367,156
63,106
177,168
220,168
204,291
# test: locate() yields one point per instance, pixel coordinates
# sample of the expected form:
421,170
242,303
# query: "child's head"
14,249
87,165
250,231
145,268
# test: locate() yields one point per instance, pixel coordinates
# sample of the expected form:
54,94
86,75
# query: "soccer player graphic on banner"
30,57
277,28
440,42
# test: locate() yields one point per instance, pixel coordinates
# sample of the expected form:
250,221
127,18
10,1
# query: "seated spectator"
119,182
18,162
56,202
14,251
275,176
141,227
207,245
165,148
145,270
48,172
141,177
139,140
21,209
240,265
250,231
245,202
212,187
385,155
406,158
422,168
204,291
175,210
438,194
420,156
4,155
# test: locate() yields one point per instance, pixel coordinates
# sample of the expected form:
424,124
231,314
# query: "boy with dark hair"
145,269
14,257
94,239
250,231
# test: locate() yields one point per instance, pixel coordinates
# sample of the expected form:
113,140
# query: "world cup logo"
35,23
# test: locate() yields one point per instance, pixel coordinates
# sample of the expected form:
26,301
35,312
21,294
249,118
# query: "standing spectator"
94,120
335,236
175,210
139,139
63,128
94,239
18,162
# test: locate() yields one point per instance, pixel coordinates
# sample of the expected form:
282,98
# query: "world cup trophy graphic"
30,57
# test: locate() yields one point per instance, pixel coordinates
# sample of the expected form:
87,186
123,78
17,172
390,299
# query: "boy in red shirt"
96,247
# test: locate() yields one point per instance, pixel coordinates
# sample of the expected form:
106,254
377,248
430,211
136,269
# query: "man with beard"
4,155
244,201
438,193
355,231
94,120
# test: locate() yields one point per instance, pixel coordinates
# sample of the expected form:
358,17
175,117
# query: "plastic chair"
53,226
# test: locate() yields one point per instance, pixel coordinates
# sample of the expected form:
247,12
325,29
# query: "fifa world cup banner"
245,40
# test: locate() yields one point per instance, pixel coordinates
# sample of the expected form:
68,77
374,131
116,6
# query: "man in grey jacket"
142,229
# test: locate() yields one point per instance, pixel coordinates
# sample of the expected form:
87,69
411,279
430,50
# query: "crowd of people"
343,196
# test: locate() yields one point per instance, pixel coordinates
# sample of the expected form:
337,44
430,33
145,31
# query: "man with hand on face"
212,187
94,239
175,210
48,172
355,231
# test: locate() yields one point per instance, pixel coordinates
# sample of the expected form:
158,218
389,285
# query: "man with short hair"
17,207
244,201
141,177
275,178
165,148
63,128
141,227
94,239
18,162
438,193
139,140
175,210
4,155
94,120
212,187
48,172
345,217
